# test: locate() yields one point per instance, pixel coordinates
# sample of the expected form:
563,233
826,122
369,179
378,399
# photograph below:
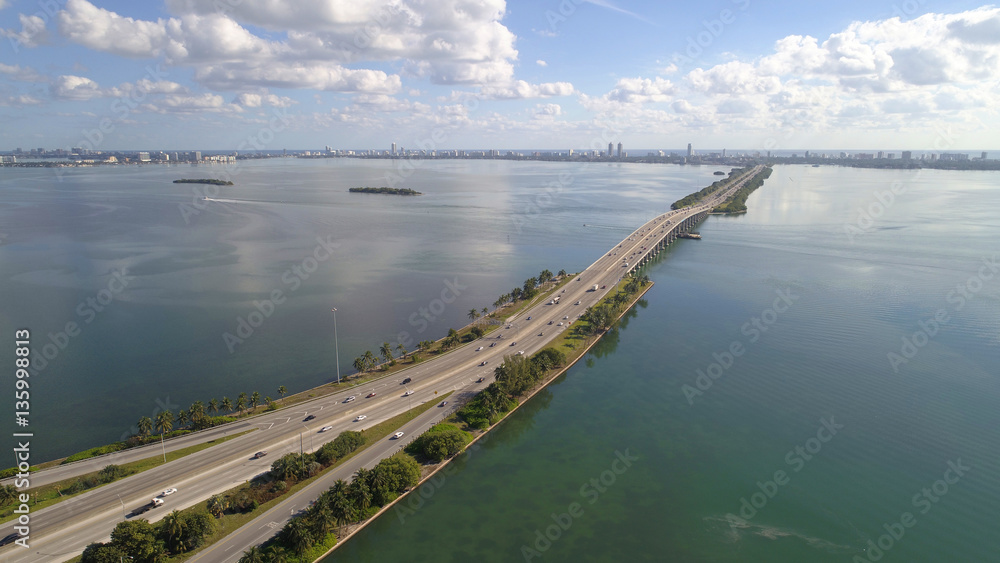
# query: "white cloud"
33,32
69,87
20,100
542,63
547,111
256,100
519,89
641,90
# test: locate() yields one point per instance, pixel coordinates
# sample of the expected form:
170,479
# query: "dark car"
480,380
407,380
308,418
10,539
259,454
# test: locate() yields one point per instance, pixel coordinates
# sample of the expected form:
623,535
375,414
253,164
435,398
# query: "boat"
695,236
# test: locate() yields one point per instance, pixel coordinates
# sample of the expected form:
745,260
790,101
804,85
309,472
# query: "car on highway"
483,363
577,303
566,317
326,429
480,380
529,318
541,334
550,322
408,393
9,538
349,399
308,418
407,380
259,454
520,352
168,492
513,343
397,435
360,418
493,344
479,349
603,286
370,395
560,323
443,403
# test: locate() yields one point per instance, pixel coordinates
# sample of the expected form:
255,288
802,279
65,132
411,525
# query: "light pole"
310,438
336,342
123,507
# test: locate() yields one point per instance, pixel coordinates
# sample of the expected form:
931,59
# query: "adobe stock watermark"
924,501
713,29
930,327
34,24
422,318
293,277
752,329
416,500
796,459
87,310
590,492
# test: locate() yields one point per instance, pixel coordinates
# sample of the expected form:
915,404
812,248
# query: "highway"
62,531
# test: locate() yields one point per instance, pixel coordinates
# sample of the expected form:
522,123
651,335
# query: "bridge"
62,531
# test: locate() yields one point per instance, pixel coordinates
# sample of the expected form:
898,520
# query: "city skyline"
110,75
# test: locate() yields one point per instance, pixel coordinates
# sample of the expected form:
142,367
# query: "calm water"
691,463
194,268
824,357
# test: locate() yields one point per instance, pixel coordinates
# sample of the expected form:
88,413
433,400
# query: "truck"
595,288
153,503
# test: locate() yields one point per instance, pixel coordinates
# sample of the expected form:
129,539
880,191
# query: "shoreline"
440,466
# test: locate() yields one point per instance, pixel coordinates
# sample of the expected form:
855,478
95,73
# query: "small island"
384,190
204,181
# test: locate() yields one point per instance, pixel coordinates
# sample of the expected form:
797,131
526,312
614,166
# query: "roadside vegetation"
737,203
705,193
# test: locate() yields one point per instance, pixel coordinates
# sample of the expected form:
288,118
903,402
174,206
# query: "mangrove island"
385,190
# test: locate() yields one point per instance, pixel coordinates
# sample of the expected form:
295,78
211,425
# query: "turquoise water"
824,357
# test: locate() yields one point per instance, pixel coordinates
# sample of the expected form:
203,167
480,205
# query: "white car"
349,399
397,435
408,393
520,352
325,428
479,349
168,492
577,302
360,418
560,323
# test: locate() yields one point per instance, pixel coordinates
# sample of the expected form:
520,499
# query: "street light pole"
123,507
336,342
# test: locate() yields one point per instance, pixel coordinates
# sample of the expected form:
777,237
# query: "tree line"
737,203
514,377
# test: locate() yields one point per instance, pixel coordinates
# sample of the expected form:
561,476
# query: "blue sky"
557,74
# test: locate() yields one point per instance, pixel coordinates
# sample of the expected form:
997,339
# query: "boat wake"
735,529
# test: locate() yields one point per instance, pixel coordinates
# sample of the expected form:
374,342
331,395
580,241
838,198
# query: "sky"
482,74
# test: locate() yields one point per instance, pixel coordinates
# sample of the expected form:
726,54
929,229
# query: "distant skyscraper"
611,150
984,155
690,151
907,155
723,153
619,150
394,148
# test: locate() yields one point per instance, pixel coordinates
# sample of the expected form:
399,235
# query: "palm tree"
298,535
323,520
173,528
164,422
370,360
282,391
182,418
499,303
544,276
241,402
217,505
340,503
275,554
484,311
473,314
8,493
402,350
145,426
268,401
254,400
213,406
360,490
252,555
197,411
562,273
386,351
227,405
359,364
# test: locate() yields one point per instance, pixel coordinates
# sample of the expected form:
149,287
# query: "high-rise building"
611,150
691,151
394,148
984,155
619,150
907,155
